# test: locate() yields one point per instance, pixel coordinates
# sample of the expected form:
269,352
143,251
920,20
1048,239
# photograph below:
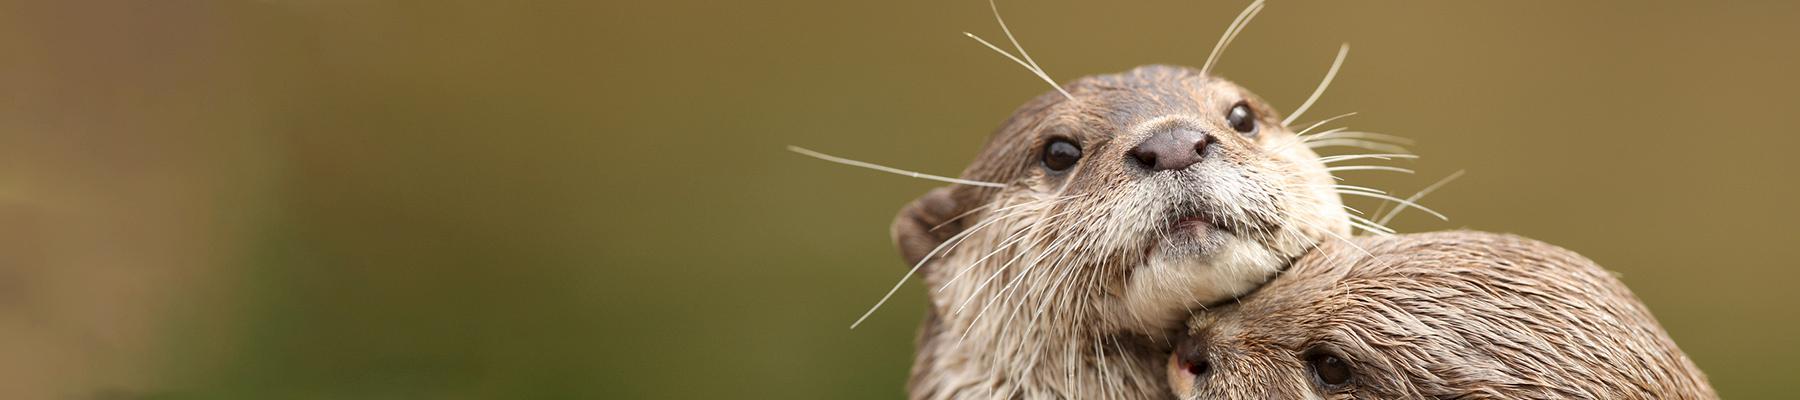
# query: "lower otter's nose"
1192,357
1171,149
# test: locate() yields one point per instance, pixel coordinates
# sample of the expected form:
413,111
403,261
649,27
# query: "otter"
1067,255
1156,191
1438,315
1095,218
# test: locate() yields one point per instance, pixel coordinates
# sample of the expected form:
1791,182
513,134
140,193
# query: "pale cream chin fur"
1161,292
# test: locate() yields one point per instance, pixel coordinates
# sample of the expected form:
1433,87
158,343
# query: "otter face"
1438,315
1153,192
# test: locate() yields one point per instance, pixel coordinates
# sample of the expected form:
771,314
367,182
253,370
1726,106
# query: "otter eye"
1060,154
1329,369
1242,118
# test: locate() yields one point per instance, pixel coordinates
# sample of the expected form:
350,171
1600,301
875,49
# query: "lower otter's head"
1439,315
1121,205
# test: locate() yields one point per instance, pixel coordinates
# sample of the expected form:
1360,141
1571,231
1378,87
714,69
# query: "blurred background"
330,199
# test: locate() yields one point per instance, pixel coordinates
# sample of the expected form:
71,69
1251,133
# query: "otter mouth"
1189,234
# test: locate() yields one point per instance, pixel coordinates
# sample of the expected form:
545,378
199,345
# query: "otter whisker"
1368,168
1309,128
998,271
909,274
977,291
1013,310
1343,50
1305,139
1358,143
1370,226
1011,283
1028,63
941,248
1403,202
1375,136
1054,246
1347,187
1347,157
1421,194
1061,270
1315,136
983,207
1010,240
883,168
1231,32
971,211
1347,242
1010,211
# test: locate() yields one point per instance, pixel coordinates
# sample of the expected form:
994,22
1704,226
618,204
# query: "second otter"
1448,315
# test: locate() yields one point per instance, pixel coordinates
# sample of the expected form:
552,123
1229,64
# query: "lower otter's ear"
925,224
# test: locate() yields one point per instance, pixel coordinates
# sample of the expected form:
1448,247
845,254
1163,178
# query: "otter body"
1436,315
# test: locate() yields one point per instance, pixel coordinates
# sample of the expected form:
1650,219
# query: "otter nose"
1171,149
1193,357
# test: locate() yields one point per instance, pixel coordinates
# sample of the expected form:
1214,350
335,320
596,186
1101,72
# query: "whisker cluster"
1231,33
892,170
1027,62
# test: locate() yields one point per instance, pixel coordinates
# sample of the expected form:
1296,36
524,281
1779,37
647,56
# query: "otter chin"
1193,266
1434,316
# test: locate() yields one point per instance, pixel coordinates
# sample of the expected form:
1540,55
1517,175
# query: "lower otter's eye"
1242,118
1061,154
1329,369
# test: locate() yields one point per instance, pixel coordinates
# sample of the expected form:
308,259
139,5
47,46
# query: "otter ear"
925,224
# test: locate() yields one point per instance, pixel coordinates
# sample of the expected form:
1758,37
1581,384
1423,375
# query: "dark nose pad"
1194,356
1171,149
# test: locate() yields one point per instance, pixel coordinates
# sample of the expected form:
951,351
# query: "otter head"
1438,315
1137,197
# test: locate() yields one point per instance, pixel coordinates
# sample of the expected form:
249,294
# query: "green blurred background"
329,199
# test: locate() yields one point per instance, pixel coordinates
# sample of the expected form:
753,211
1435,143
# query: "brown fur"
1439,315
1041,301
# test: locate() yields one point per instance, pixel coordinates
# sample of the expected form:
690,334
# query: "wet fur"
1440,315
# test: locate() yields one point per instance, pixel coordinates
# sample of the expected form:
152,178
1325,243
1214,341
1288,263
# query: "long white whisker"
1416,196
1309,128
1308,139
1375,136
1346,187
1370,226
972,211
1010,240
1302,137
1231,32
946,246
1028,63
1357,143
1347,157
1368,168
892,170
915,269
1343,50
1403,202
1336,236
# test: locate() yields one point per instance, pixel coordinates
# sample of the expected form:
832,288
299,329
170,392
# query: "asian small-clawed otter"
1447,315
1099,215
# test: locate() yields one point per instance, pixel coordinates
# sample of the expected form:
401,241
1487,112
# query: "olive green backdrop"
330,199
